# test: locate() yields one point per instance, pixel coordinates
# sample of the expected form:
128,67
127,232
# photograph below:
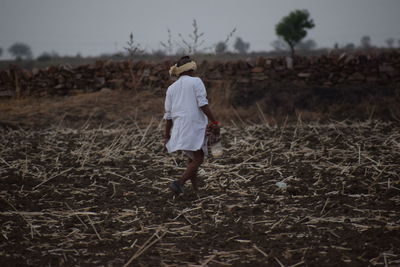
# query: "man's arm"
167,134
208,113
213,125
168,127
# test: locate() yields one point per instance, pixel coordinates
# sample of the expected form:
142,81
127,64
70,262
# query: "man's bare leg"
192,168
194,179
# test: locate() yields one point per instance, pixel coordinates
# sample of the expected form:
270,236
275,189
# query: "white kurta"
182,105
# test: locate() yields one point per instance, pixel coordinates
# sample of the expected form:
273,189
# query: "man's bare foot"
176,187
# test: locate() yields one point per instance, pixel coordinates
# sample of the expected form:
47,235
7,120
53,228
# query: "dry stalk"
94,228
145,246
259,250
279,262
77,216
45,181
23,217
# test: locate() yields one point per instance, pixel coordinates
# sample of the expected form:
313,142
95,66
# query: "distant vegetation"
195,42
133,48
20,51
293,27
241,46
46,56
365,42
304,46
390,42
291,31
222,47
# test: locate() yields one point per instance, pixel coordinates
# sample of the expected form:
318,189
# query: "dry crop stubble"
99,197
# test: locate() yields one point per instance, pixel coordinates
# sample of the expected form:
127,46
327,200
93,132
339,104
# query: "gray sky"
92,27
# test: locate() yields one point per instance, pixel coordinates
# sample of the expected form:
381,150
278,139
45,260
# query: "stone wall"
243,81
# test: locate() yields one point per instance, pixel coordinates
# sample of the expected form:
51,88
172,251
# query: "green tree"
293,27
1,51
20,50
241,46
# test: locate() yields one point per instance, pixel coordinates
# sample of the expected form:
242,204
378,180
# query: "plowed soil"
99,197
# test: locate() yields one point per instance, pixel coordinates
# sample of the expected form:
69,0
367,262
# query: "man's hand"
214,129
213,134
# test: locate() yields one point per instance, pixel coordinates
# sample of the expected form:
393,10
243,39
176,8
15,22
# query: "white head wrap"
175,70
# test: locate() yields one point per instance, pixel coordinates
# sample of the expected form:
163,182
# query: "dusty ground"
99,108
110,108
98,197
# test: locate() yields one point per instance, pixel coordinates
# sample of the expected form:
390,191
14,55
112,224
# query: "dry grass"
99,197
129,107
97,108
113,107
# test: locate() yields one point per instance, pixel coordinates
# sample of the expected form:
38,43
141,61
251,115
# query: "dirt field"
99,108
99,197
